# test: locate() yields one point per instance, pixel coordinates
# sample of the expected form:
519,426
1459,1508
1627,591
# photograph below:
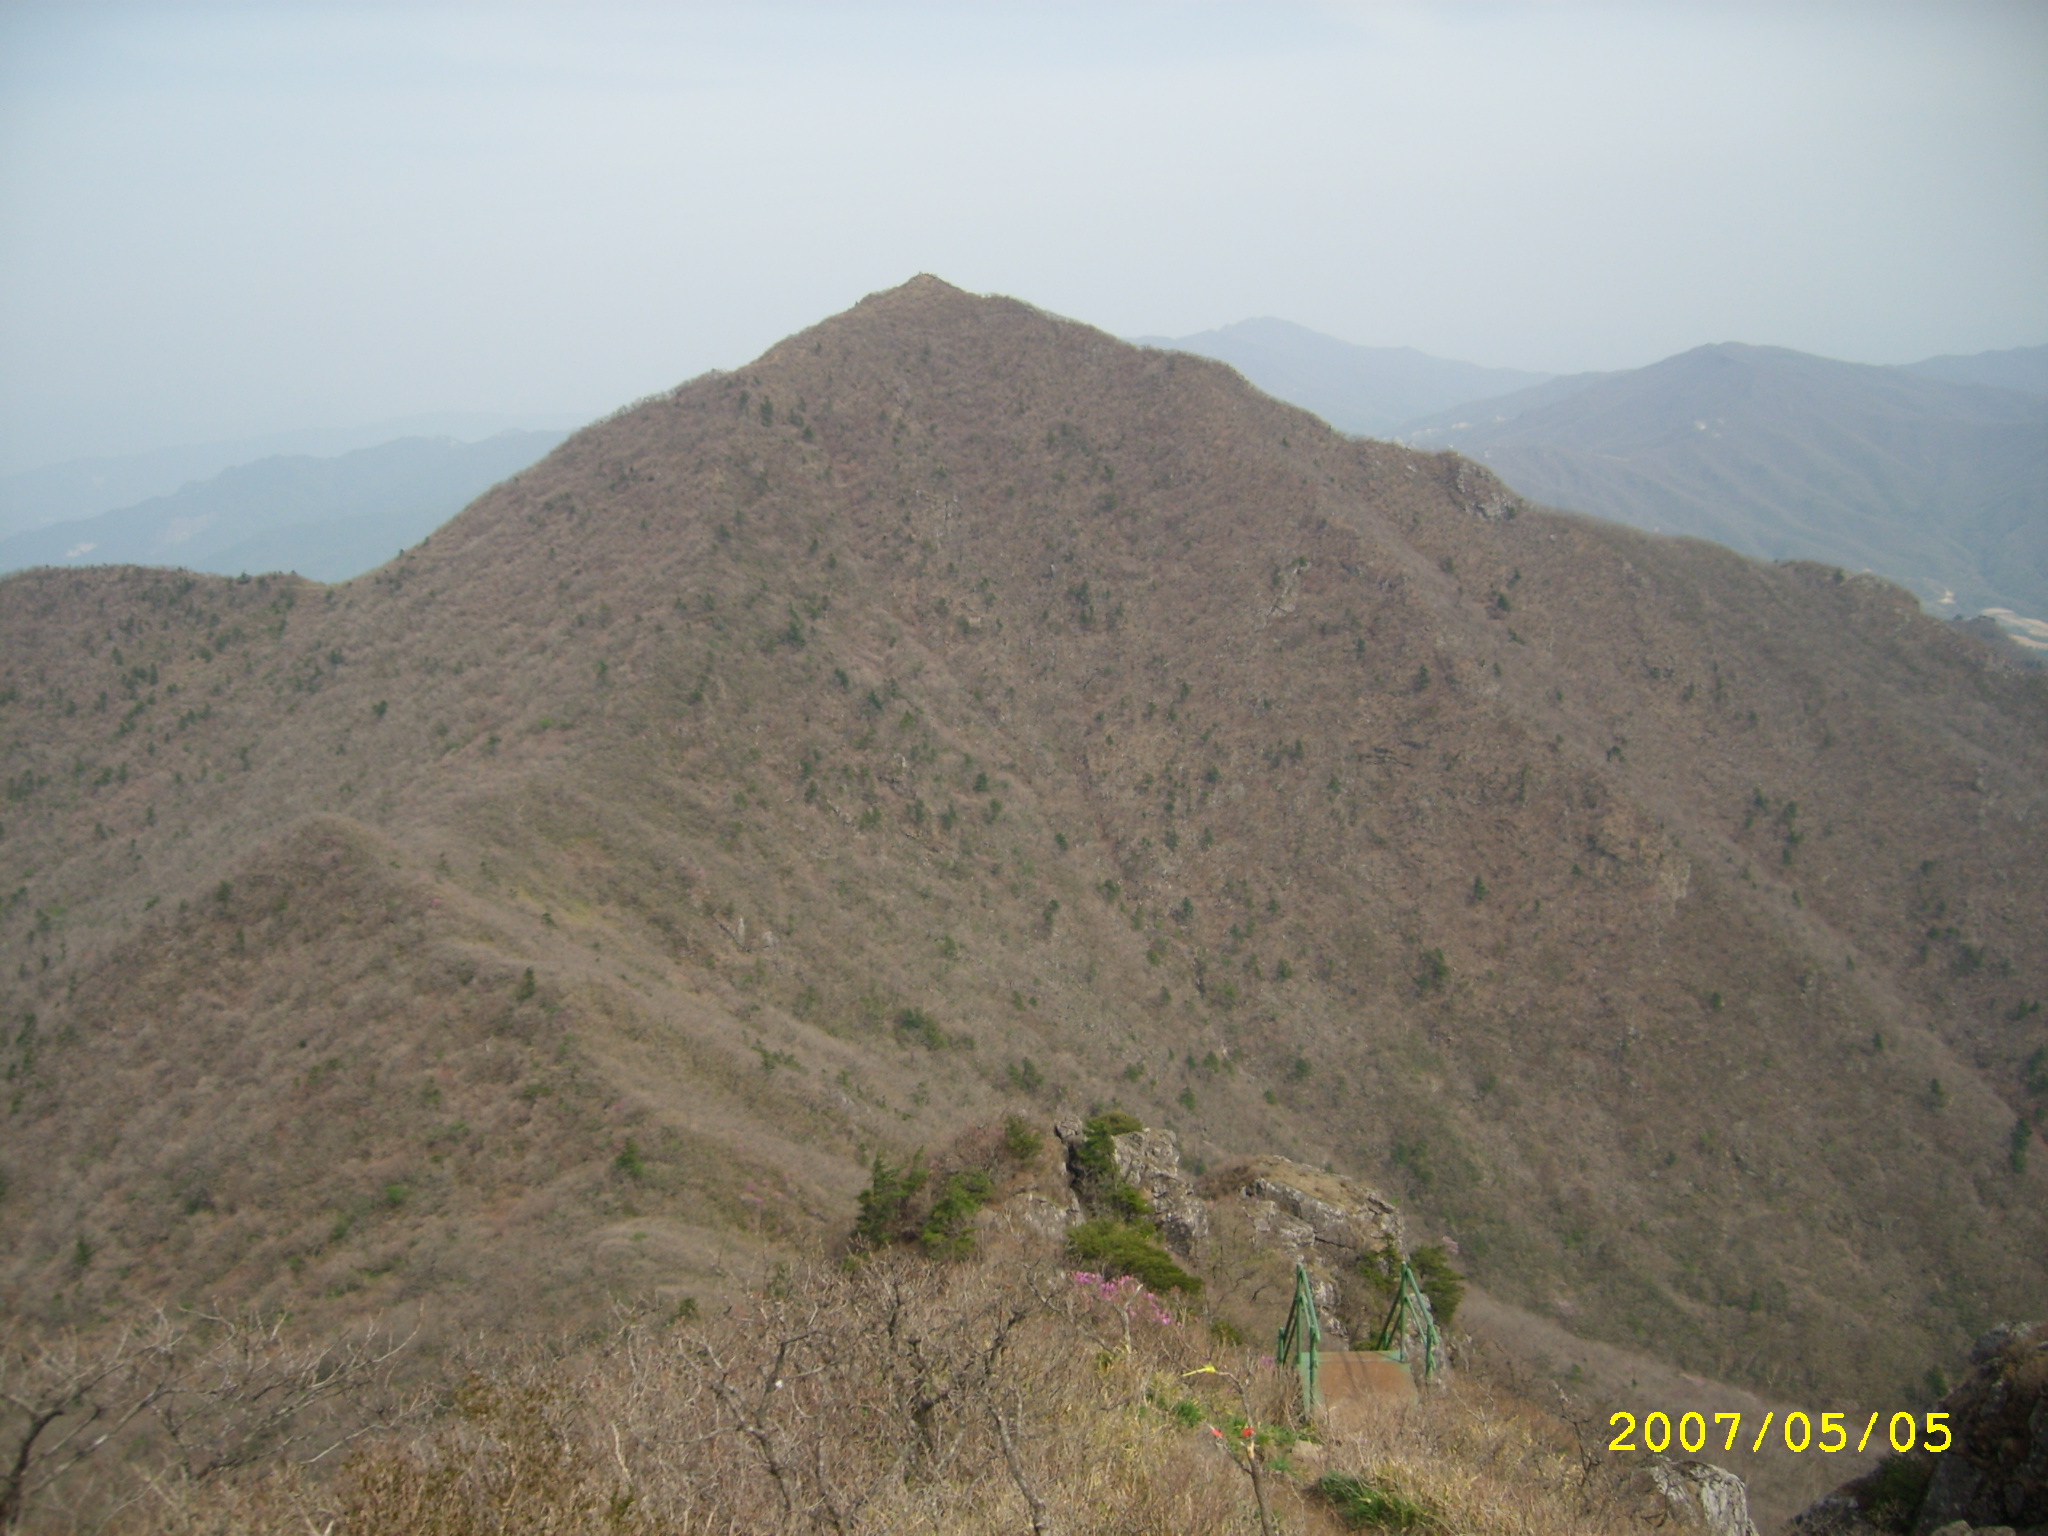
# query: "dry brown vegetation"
959,712
902,1395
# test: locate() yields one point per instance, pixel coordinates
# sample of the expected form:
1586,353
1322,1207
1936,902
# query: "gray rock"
1998,1469
1991,1343
1994,1476
1698,1496
1310,1210
1149,1161
1037,1214
1304,1215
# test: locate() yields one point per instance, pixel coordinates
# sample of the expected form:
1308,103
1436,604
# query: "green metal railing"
1301,1339
1411,1313
1299,1347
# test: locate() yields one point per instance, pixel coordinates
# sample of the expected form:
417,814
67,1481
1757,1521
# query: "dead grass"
904,1396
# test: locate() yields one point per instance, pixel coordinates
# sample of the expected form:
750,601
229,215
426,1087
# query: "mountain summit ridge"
958,709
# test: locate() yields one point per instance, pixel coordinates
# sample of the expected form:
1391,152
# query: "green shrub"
914,1024
1434,973
1113,1247
1097,1156
1381,1273
1096,1180
889,1190
1443,1285
947,1233
1891,1494
1362,1504
629,1162
1020,1140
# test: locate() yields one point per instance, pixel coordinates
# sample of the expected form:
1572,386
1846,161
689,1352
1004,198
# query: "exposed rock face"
1693,1495
1318,1218
1038,1198
1041,1215
1995,1477
1481,491
1149,1160
1998,1471
1298,1214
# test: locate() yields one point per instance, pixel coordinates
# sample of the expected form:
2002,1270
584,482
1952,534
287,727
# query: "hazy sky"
222,220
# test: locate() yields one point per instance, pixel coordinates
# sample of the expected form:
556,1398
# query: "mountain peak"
957,712
924,288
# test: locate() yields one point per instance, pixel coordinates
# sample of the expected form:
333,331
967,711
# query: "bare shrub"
180,1399
895,1394
1004,1394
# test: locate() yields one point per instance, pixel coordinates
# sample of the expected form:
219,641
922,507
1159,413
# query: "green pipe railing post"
1300,1344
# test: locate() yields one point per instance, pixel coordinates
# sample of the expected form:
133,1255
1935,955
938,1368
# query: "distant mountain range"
75,488
1367,390
1940,486
2022,368
1933,474
323,518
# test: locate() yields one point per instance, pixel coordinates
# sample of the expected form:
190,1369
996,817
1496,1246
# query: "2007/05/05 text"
1903,1431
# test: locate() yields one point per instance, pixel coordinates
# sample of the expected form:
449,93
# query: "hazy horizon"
219,222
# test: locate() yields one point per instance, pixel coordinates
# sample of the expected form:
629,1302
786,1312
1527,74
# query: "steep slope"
328,518
959,710
1370,390
1937,486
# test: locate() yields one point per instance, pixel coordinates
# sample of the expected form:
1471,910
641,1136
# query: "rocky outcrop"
1998,1471
1994,1477
1688,1495
1149,1161
1310,1214
1031,1211
1277,1213
1244,1227
1481,492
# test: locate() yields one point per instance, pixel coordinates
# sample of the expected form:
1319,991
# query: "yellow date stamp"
1904,1431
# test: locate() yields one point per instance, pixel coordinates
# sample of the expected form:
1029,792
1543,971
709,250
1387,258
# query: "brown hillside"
959,709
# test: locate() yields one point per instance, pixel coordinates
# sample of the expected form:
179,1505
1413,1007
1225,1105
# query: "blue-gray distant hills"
1940,486
324,518
1366,390
74,488
2021,368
